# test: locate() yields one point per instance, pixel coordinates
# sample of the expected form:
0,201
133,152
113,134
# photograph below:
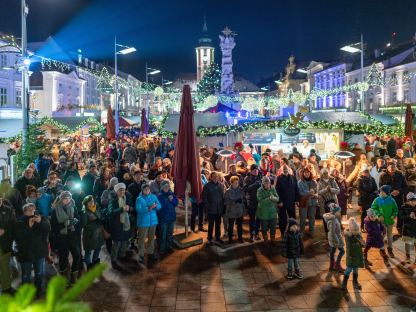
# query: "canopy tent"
200,119
220,108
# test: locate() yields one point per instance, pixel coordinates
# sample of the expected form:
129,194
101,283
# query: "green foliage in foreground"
58,297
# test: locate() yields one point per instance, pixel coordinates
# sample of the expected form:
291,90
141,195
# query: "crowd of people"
75,199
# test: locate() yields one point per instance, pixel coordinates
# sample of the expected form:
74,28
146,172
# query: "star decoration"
228,32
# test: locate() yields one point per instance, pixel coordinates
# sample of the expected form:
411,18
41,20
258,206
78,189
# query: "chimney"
376,53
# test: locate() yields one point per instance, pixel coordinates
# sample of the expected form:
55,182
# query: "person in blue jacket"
167,217
147,205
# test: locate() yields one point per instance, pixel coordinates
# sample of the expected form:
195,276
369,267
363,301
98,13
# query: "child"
355,258
375,233
408,215
293,249
385,208
335,238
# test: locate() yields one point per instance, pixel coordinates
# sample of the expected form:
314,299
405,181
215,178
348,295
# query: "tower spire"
205,28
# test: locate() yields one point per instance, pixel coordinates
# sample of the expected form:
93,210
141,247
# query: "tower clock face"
205,58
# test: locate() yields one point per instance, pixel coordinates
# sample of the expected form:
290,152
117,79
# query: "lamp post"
25,79
124,50
352,48
149,71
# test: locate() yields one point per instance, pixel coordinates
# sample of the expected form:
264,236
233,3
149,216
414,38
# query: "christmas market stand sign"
293,129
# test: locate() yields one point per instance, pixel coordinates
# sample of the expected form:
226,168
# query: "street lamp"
150,71
167,82
302,70
25,79
124,50
352,48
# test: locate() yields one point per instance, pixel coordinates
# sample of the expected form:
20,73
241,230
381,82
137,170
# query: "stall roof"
200,119
348,117
10,127
71,122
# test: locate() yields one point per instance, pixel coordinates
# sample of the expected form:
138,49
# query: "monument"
227,44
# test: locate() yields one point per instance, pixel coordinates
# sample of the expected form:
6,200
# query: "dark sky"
165,33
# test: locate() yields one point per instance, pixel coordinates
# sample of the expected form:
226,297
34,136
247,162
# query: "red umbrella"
110,127
144,126
408,128
185,166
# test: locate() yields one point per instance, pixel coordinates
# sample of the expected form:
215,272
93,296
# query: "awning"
205,120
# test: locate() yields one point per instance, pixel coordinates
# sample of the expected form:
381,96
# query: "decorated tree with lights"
210,82
375,77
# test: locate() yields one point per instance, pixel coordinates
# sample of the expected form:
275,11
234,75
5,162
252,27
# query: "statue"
227,45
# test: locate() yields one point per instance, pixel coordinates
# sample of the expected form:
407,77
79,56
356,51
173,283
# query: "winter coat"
130,154
335,238
7,222
391,147
32,242
367,188
376,173
13,196
116,227
135,189
409,224
167,213
98,189
386,207
233,198
53,191
266,208
355,257
213,198
292,245
343,194
229,175
304,187
92,237
399,163
74,174
62,228
88,183
326,196
375,233
410,175
44,204
155,187
397,182
288,191
146,218
251,185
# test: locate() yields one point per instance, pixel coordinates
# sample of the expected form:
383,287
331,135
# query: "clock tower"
204,53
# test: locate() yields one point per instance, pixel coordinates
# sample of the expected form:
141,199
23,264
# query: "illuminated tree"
210,82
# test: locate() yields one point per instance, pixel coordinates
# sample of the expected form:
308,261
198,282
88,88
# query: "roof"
348,117
185,76
10,127
71,122
242,84
200,119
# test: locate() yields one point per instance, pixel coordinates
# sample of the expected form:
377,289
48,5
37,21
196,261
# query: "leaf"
83,283
25,295
72,306
56,288
5,301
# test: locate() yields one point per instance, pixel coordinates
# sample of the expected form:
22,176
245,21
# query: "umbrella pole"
343,167
186,214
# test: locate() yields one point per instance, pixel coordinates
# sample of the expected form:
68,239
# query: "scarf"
93,208
124,216
65,214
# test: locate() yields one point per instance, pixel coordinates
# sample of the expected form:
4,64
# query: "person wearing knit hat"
251,184
367,190
119,186
355,257
166,216
113,182
408,215
386,210
335,238
375,237
120,206
147,206
293,249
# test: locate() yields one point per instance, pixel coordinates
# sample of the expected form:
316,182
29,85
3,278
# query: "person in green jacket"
385,208
267,210
355,256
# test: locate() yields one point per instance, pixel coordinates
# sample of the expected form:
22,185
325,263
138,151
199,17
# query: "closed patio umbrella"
110,127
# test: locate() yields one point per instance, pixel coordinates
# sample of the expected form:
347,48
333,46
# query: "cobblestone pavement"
250,277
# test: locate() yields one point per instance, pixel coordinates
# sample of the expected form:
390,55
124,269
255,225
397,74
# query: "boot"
331,265
408,258
390,252
297,274
345,282
355,283
74,277
272,240
366,261
385,257
339,268
266,239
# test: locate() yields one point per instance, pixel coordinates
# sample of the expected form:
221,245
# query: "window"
18,97
3,96
3,60
394,97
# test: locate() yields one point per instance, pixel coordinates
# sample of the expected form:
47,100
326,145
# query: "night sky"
165,33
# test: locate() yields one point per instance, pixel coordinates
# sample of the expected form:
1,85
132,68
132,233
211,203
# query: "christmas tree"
375,77
210,82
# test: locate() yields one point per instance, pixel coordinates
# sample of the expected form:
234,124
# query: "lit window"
18,97
3,60
3,96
